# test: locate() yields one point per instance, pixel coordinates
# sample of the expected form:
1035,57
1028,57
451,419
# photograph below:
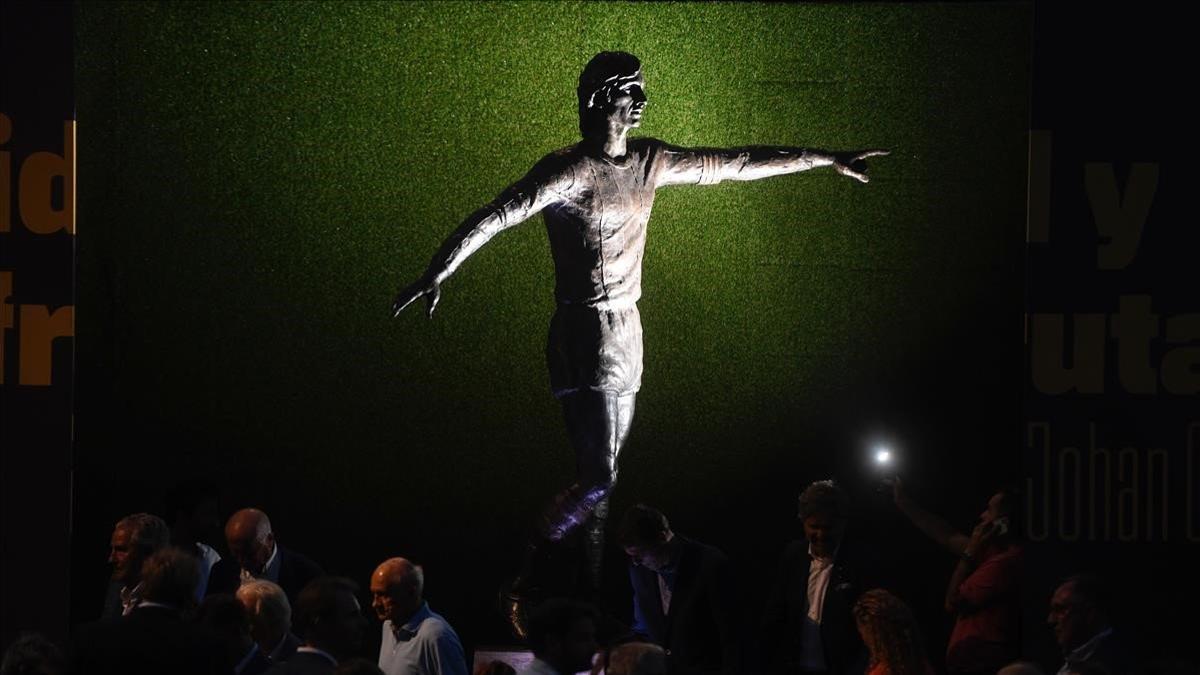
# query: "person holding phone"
984,589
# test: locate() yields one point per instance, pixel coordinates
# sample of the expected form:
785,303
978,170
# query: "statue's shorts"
597,349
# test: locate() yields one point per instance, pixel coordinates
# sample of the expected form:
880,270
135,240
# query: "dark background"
1106,89
36,94
233,304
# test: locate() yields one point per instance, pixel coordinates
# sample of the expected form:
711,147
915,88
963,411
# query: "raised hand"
429,288
854,165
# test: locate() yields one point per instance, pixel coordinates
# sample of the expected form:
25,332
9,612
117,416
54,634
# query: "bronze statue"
596,198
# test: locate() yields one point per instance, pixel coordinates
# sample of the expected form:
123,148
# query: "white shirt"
812,651
1083,652
539,667
664,593
424,645
313,650
207,558
270,571
130,598
819,571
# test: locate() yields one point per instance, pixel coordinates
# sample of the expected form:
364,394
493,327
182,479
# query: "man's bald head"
637,658
248,521
397,586
250,539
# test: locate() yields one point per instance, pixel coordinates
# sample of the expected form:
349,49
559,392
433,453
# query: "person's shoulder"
1009,556
302,663
1114,651
436,626
1015,550
707,553
299,561
96,630
223,565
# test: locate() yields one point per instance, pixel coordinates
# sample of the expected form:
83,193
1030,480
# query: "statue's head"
611,87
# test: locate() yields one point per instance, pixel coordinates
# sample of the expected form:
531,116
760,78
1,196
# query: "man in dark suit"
134,539
808,626
330,622
683,595
153,638
226,617
255,555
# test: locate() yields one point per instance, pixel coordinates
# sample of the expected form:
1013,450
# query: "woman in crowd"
890,634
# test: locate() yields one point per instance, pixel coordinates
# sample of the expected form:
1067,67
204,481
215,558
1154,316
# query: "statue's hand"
853,164
429,288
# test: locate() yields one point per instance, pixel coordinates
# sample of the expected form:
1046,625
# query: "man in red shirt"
984,589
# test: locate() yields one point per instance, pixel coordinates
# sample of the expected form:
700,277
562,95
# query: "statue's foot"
516,602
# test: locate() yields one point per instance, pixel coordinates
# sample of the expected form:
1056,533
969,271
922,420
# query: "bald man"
254,554
636,658
416,641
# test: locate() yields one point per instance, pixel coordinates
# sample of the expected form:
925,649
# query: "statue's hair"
605,71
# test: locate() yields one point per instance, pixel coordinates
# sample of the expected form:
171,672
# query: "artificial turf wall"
257,180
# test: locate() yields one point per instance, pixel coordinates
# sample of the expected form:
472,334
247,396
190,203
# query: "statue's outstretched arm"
708,166
522,200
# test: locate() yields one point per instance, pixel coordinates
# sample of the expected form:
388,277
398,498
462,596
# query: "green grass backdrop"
257,180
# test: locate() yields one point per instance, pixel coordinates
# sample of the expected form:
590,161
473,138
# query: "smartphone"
1000,525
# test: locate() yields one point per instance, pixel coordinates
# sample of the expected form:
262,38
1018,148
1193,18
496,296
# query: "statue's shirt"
597,226
596,209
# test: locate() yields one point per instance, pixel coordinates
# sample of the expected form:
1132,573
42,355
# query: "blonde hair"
267,605
890,633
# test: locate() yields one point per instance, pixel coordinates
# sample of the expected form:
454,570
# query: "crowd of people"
176,605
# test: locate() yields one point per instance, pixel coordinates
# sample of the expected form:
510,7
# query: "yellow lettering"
39,329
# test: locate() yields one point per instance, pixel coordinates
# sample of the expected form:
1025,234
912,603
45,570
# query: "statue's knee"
599,485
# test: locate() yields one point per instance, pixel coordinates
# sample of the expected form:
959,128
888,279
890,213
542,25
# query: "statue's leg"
598,424
595,534
592,355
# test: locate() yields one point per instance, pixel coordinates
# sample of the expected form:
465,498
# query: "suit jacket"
285,649
295,571
257,665
700,632
787,607
303,663
1111,655
149,641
